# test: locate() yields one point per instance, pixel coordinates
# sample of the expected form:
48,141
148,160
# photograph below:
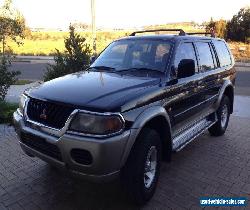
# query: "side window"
223,53
205,57
185,51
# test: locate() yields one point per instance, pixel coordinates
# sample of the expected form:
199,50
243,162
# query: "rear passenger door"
225,68
208,82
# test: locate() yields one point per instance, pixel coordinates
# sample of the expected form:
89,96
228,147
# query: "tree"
220,28
238,28
210,27
217,27
75,58
12,25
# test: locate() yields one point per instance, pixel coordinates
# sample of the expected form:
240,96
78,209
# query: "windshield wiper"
102,68
141,69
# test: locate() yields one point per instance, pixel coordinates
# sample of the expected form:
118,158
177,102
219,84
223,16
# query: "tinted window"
205,56
185,51
223,53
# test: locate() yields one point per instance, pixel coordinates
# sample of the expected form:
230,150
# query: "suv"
141,99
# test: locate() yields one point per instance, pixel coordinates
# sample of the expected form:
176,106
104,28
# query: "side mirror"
92,59
186,68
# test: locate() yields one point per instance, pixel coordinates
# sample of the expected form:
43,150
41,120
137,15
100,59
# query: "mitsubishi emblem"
43,115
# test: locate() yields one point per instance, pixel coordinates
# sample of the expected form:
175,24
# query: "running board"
180,141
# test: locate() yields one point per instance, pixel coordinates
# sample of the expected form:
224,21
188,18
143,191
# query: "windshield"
134,54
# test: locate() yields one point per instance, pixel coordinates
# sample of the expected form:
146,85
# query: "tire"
223,114
30,155
138,186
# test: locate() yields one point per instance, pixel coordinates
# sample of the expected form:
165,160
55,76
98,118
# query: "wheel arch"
156,118
162,127
228,90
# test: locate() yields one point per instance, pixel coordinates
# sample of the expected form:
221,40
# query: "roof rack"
181,32
202,33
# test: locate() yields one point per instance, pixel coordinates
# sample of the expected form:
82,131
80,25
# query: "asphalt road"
30,71
243,81
35,71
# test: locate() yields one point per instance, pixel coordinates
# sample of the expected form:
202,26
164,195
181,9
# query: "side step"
188,135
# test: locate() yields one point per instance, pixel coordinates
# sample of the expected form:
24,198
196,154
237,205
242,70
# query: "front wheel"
141,172
223,114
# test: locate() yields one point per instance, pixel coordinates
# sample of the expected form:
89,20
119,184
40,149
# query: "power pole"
93,27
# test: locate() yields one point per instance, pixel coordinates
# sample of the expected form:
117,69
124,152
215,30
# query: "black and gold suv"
141,99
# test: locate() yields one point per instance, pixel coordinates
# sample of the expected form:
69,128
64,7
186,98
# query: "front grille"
41,145
48,113
81,156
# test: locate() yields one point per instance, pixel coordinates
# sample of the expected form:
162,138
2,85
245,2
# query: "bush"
75,58
7,77
6,111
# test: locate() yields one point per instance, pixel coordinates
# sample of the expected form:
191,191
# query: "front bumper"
107,154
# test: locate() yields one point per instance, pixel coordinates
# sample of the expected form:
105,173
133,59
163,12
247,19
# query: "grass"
22,82
6,111
241,51
45,43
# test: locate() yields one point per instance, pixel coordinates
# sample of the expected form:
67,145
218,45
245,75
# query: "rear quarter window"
223,53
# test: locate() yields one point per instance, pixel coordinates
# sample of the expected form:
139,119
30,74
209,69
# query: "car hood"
95,91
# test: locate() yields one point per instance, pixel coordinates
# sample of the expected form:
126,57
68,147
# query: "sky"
124,13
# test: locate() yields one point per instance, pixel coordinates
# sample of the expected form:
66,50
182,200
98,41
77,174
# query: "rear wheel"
223,114
141,172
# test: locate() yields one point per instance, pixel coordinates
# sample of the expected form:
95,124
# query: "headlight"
22,102
97,124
